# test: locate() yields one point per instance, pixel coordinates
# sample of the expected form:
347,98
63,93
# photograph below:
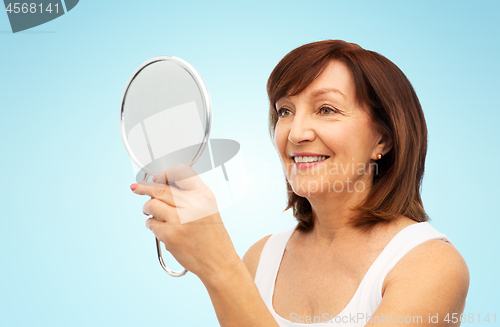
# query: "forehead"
336,79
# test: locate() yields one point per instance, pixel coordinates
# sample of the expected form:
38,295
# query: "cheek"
280,138
340,139
281,133
346,144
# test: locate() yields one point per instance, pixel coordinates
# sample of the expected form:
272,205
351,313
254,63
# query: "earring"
379,156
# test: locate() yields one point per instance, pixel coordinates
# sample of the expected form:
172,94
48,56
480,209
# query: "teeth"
309,159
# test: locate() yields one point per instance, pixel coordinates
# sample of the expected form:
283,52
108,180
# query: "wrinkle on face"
347,135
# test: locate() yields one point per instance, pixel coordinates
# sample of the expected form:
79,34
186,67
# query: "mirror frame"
207,102
205,95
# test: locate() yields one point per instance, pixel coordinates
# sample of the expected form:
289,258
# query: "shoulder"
252,256
438,260
432,278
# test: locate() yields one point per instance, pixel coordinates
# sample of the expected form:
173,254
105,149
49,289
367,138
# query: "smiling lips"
307,159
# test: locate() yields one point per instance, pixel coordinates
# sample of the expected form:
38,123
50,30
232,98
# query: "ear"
383,146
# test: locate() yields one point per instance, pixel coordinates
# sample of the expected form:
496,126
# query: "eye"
283,112
327,110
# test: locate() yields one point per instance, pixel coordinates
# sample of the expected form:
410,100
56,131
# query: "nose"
301,130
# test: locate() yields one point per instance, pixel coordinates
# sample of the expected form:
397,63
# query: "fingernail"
133,186
154,178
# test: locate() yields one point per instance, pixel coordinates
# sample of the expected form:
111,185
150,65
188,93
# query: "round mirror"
165,119
165,115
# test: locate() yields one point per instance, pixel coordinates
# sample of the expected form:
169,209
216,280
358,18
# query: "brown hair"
395,111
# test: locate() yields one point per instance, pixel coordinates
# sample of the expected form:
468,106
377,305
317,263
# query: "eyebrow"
323,91
317,93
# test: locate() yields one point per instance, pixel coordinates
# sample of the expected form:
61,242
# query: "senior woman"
352,140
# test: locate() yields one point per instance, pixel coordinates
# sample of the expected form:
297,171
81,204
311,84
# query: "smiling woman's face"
326,141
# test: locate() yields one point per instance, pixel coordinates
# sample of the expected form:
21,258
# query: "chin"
308,194
309,188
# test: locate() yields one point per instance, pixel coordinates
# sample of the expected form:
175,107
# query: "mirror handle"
160,258
158,248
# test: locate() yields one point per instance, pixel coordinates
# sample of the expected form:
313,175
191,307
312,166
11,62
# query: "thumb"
182,175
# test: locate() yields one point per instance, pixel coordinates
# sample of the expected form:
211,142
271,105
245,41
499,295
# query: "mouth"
308,159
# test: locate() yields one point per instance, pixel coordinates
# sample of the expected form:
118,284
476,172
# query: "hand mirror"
165,119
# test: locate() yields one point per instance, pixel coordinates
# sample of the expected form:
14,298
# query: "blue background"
73,247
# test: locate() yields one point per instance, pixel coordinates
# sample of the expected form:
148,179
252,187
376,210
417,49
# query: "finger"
161,211
182,175
153,221
161,192
157,227
162,178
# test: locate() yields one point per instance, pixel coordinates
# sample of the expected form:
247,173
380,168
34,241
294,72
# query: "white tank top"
367,297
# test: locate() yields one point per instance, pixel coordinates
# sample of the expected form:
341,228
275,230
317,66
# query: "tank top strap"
407,239
270,259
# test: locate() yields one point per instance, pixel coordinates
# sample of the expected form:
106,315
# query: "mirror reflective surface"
165,115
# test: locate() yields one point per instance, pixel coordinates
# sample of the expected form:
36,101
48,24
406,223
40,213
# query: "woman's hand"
187,221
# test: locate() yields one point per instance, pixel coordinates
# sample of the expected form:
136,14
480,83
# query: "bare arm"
235,297
427,286
192,230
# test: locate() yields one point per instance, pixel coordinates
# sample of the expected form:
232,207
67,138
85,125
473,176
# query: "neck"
332,213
